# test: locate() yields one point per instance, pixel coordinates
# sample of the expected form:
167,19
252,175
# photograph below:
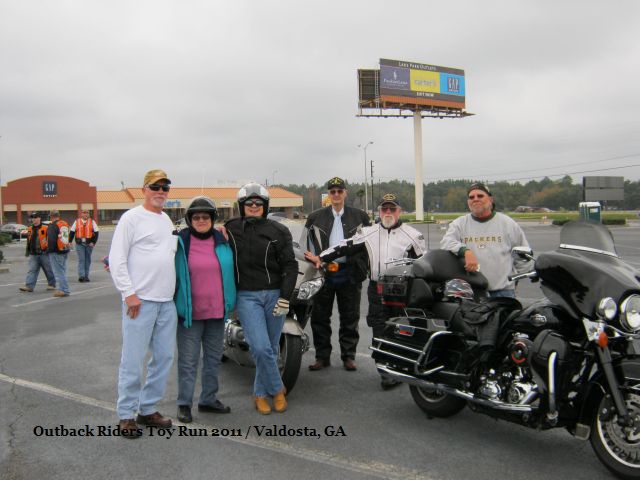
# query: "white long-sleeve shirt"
141,258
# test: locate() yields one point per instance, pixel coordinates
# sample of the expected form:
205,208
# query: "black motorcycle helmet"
201,204
253,190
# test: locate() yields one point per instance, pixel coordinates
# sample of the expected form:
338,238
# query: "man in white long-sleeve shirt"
141,261
485,239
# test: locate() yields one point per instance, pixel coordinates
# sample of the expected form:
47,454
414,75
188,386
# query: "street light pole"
273,177
366,201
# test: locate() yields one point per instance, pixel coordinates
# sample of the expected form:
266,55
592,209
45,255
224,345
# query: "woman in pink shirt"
205,295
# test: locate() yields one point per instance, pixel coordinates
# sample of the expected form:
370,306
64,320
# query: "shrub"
614,221
560,221
5,238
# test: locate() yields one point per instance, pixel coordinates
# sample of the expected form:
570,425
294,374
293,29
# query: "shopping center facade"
43,193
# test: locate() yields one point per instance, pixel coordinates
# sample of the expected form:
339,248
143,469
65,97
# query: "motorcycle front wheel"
290,359
436,404
617,447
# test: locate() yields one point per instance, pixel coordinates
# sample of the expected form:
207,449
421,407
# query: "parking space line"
48,299
371,469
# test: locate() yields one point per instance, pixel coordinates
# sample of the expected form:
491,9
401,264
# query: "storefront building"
44,193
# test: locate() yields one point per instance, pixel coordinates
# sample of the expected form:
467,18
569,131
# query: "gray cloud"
267,90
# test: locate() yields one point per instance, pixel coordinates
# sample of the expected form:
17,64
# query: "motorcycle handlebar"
532,274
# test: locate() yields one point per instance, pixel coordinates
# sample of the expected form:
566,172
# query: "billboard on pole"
421,84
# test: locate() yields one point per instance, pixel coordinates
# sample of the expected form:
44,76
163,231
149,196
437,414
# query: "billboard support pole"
417,144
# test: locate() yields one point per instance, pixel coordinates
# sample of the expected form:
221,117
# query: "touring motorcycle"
570,360
294,342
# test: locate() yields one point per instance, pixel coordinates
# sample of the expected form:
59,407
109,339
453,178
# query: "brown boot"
279,402
320,364
262,405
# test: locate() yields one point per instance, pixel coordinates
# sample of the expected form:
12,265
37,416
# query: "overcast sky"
225,91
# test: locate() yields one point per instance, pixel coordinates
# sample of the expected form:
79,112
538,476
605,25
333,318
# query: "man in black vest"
325,228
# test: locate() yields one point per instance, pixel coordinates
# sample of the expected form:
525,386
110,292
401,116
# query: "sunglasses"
201,218
480,195
154,187
388,209
254,203
338,191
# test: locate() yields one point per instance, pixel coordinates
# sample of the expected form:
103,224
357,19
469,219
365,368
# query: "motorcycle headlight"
607,308
630,313
309,288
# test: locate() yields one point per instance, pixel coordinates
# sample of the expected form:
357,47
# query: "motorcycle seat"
442,265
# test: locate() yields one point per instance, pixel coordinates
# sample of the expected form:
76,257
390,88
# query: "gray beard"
388,221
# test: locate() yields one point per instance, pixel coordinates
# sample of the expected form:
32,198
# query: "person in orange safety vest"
85,231
37,253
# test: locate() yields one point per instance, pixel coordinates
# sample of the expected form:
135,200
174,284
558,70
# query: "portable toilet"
590,211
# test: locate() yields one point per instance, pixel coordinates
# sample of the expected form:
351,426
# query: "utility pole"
373,214
366,202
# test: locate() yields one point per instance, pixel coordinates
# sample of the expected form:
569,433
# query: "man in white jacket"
141,262
388,240
485,239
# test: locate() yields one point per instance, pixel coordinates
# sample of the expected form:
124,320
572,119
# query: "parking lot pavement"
58,370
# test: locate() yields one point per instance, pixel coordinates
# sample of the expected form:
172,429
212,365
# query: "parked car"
181,224
14,229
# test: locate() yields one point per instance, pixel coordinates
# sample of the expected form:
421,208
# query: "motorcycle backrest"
442,265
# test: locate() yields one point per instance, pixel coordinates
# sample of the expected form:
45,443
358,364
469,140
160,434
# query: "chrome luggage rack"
419,358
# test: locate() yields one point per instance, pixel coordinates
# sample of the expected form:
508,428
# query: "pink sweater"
206,280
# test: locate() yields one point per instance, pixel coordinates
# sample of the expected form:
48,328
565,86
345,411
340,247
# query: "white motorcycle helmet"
253,190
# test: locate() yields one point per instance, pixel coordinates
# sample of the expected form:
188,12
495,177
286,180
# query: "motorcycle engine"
512,381
234,335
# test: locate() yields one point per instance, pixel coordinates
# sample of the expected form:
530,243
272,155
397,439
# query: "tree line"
451,195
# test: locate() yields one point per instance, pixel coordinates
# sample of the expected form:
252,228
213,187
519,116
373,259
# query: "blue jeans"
59,266
84,259
154,328
262,331
35,263
209,334
505,292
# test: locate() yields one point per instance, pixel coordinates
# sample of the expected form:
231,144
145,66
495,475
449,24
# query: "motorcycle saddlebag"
547,342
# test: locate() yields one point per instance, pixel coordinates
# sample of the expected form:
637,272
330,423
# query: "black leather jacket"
263,254
318,230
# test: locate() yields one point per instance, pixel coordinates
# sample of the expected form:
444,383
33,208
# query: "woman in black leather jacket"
266,272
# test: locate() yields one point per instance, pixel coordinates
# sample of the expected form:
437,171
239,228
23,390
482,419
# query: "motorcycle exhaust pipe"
431,387
552,414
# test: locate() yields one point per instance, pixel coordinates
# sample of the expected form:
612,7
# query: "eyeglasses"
478,196
201,218
336,192
254,202
154,187
388,209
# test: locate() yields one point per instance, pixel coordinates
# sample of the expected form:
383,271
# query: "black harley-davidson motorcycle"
570,360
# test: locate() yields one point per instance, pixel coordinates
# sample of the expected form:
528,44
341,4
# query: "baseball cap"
389,198
336,182
152,176
35,215
479,186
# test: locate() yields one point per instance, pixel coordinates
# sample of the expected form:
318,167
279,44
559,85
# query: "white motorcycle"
293,340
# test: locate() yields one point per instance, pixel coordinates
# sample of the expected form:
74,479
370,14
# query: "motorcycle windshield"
585,269
588,237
